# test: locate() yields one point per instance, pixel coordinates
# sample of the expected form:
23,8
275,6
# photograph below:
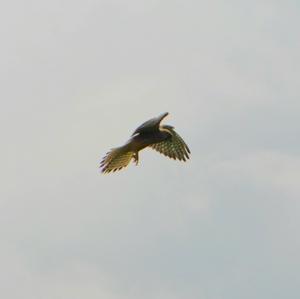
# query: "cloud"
78,80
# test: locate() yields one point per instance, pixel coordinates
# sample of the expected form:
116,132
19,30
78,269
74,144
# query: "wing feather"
173,147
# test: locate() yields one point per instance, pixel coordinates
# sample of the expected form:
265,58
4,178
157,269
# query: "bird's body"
160,137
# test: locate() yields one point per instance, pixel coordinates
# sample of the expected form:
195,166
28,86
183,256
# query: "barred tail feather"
116,159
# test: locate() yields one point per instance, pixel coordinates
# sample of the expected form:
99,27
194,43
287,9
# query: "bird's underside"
161,138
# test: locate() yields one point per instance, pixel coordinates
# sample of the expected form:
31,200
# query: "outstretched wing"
150,125
173,147
116,159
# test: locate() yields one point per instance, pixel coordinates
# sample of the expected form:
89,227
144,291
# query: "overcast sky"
77,77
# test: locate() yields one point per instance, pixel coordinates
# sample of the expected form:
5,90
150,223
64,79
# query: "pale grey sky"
78,77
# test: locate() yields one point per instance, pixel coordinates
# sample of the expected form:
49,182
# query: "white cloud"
77,79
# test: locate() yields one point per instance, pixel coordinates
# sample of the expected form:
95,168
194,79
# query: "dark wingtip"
162,116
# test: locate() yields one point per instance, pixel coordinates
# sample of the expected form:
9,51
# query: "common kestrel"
162,138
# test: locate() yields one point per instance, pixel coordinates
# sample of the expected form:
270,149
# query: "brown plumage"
162,138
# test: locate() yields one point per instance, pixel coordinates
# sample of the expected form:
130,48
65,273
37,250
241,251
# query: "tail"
116,159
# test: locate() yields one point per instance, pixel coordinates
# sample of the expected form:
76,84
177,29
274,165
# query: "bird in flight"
161,138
